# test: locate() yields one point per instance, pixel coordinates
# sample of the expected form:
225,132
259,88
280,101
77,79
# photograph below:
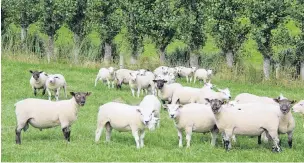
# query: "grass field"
160,145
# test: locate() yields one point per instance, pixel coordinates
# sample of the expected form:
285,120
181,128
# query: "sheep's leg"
142,136
187,79
180,138
275,139
50,94
214,133
96,80
290,134
146,91
136,137
98,131
233,138
108,82
57,94
263,137
194,80
188,135
109,132
133,92
20,126
66,132
190,79
138,92
227,136
43,92
260,139
35,91
113,84
65,92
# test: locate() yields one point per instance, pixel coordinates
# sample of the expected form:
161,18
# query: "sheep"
123,117
166,90
172,70
170,78
162,70
187,72
195,95
151,103
202,74
122,76
299,107
193,118
232,120
249,98
54,83
140,82
44,114
38,80
106,74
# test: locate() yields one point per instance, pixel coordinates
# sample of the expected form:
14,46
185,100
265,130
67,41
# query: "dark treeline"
229,22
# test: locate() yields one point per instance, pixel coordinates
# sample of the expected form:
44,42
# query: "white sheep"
162,70
151,103
193,118
44,114
202,74
38,80
166,90
170,78
299,107
172,70
232,120
123,117
187,72
54,83
140,82
122,76
244,98
106,75
188,95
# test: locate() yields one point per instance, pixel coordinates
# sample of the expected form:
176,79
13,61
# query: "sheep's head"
209,72
299,107
142,72
133,75
152,123
80,97
111,70
36,74
285,104
225,94
173,109
160,83
52,79
193,69
208,85
146,115
215,104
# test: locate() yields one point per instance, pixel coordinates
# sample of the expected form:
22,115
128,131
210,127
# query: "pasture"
160,145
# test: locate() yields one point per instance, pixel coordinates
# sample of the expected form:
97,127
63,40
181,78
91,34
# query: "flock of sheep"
200,110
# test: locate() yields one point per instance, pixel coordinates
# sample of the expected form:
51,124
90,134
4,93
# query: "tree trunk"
229,59
266,67
121,61
23,36
302,70
134,57
194,60
76,47
50,48
162,56
277,70
108,53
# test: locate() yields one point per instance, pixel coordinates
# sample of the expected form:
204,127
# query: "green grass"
161,145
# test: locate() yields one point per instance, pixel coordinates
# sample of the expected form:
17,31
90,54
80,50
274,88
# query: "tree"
55,13
192,27
108,19
161,23
228,30
298,15
266,15
6,15
27,12
79,23
133,20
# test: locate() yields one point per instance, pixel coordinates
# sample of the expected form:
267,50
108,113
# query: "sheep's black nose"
172,116
146,122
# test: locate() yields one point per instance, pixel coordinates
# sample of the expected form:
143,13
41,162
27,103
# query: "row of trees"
232,22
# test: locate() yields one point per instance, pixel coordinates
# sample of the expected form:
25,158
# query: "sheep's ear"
31,71
223,102
72,93
208,100
165,81
165,106
88,93
180,106
138,110
41,72
154,81
276,100
46,74
148,70
177,102
293,101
